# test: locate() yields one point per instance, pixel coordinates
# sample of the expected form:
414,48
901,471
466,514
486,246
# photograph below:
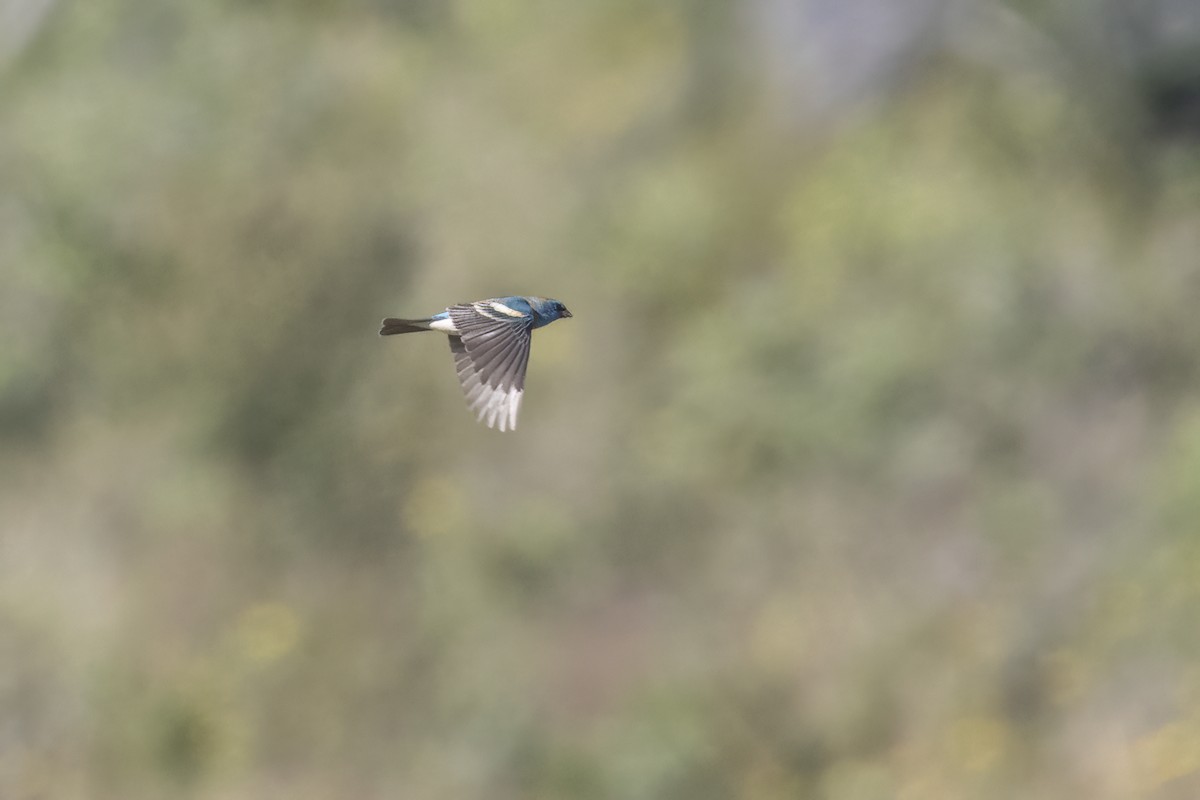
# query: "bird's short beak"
567,313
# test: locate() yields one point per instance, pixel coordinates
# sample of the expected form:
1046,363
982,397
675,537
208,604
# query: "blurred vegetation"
867,468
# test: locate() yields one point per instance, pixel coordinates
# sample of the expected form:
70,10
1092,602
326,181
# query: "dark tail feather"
392,325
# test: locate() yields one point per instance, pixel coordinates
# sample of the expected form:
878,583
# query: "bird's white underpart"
444,325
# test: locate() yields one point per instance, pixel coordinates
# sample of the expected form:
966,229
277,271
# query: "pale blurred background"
869,466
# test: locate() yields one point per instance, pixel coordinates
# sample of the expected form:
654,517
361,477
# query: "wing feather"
491,355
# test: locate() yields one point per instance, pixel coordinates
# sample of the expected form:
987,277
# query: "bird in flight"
490,342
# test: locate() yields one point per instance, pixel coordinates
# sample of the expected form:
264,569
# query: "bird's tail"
393,325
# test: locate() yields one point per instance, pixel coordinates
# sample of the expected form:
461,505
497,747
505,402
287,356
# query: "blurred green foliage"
867,468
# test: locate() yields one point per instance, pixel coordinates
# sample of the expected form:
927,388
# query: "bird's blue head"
546,310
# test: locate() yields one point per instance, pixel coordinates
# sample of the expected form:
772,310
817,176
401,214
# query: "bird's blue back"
543,309
517,303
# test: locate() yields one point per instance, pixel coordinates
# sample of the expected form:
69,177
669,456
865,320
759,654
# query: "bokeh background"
869,466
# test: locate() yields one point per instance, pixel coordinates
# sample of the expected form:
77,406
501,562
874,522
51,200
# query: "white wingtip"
496,407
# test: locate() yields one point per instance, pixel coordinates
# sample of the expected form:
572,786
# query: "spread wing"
491,352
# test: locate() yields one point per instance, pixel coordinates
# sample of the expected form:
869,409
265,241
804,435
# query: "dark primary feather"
497,348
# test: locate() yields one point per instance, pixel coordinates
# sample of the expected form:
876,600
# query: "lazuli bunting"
490,342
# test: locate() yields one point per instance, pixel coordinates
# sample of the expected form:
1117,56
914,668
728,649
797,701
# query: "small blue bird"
490,342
